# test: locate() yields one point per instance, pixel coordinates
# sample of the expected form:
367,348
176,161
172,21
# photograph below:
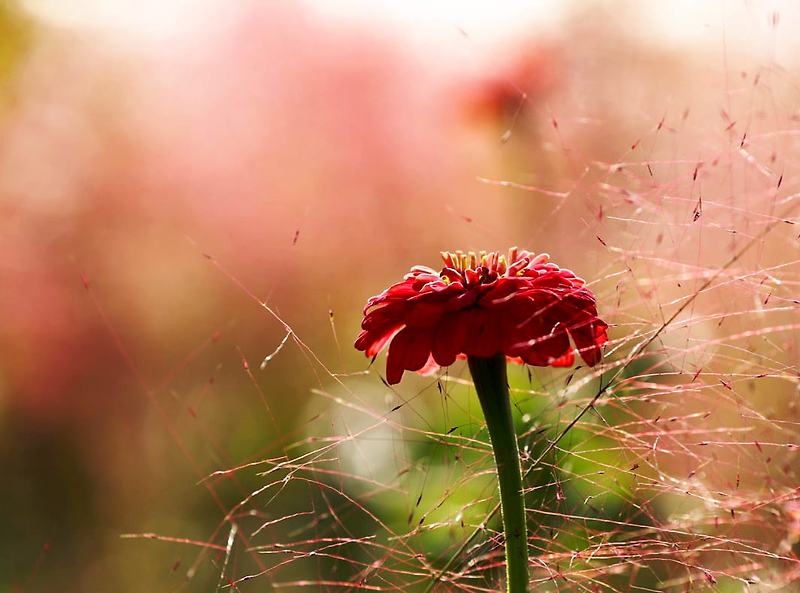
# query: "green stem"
491,383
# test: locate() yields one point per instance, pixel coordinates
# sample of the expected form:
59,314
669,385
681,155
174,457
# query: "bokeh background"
190,188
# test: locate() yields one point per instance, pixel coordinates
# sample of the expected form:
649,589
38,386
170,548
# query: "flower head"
480,305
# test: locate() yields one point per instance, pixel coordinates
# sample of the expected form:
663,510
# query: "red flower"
482,305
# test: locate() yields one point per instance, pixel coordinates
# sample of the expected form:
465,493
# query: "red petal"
565,360
384,316
502,291
408,351
372,343
424,314
448,339
515,316
588,338
547,341
483,333
379,326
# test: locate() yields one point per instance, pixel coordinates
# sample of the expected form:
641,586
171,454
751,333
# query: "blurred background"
197,198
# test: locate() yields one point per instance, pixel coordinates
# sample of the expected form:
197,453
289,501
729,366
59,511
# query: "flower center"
475,267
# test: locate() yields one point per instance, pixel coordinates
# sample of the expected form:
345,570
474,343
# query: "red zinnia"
481,305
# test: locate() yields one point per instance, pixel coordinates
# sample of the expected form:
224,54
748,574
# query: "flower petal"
448,339
424,314
483,333
565,360
547,340
589,338
371,343
408,351
379,326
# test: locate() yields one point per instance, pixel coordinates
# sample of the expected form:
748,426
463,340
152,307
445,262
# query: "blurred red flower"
524,79
520,305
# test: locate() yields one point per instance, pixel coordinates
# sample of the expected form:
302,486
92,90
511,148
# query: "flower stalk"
491,383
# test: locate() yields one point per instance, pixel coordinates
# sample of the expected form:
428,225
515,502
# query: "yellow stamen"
501,265
512,255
